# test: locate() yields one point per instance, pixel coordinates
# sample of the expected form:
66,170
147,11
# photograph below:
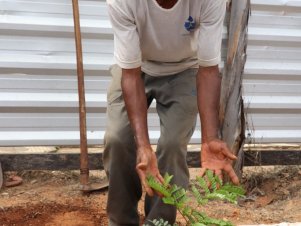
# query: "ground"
53,199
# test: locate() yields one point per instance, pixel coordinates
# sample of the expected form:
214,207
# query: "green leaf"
198,224
200,200
157,186
167,180
234,189
218,181
203,184
159,222
186,210
169,200
211,179
216,195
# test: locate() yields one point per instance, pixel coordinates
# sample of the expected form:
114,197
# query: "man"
167,50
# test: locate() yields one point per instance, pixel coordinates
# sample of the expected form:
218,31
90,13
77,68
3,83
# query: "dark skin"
215,154
167,4
136,106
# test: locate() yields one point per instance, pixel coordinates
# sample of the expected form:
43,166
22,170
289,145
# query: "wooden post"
84,170
232,118
1,176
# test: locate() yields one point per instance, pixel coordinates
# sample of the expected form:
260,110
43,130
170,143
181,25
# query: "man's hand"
216,156
147,165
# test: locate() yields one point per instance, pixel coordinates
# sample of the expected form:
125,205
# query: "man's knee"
113,140
117,149
172,146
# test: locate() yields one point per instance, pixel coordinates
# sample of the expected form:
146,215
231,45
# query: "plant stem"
187,221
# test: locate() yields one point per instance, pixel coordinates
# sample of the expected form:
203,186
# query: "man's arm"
136,106
215,154
209,85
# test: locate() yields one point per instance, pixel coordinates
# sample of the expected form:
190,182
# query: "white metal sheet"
38,87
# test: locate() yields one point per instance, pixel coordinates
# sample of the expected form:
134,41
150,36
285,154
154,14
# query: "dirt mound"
52,214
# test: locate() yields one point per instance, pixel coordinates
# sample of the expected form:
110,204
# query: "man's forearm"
136,104
208,86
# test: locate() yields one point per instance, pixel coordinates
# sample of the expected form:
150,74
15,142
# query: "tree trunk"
232,119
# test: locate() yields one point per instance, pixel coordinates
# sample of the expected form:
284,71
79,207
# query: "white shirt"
147,35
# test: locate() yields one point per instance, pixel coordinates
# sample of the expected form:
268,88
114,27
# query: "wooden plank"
15,162
275,157
70,161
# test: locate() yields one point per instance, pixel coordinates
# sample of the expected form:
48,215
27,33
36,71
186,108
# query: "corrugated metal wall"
38,97
38,87
272,79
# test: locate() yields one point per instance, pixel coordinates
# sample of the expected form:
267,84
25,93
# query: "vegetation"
203,191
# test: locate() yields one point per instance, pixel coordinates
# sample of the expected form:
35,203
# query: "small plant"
202,193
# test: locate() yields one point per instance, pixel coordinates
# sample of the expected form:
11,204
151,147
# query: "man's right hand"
147,165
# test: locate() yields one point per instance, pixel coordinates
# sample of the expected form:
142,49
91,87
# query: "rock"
264,201
283,191
33,181
286,175
257,192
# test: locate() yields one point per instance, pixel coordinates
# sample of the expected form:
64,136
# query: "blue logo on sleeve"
189,24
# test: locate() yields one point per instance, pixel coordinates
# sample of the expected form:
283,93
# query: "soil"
53,199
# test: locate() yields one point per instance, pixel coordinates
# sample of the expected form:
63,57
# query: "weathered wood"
231,104
1,176
16,162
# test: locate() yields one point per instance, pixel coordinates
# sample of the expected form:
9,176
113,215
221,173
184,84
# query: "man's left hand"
216,156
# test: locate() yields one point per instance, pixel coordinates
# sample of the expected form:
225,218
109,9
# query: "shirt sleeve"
211,29
127,50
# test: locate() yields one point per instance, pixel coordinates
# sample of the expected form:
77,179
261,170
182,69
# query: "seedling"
202,192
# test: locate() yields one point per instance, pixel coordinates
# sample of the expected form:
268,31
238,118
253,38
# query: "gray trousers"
176,105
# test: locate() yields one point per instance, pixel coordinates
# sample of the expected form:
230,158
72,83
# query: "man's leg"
120,160
177,108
